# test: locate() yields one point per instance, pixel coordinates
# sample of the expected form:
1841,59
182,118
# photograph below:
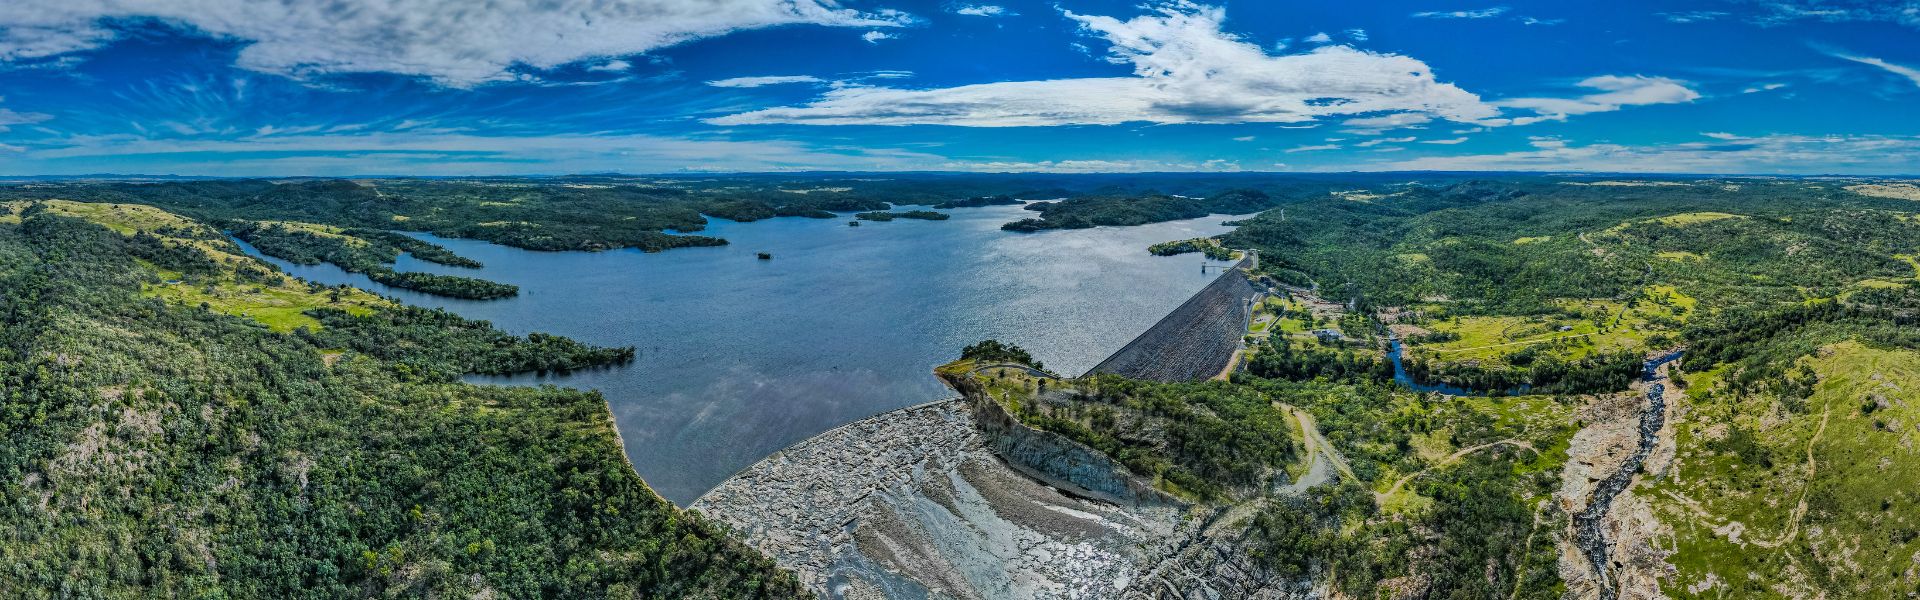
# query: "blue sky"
444,87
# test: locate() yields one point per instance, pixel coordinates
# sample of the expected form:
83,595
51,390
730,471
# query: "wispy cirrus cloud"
1722,153
1911,73
754,82
8,118
1481,13
1693,16
445,153
1777,12
453,42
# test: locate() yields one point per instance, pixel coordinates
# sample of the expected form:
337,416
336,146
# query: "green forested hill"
160,449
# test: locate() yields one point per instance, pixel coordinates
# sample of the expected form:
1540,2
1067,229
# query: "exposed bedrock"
1196,340
916,503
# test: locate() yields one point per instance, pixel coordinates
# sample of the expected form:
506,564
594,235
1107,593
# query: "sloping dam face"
1196,340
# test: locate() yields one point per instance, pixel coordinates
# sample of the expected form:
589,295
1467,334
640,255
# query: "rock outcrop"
917,503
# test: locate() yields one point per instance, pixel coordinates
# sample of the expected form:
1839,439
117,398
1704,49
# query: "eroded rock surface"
916,504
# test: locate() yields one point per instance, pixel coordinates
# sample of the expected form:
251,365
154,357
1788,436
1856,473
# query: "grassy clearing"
280,307
280,303
1682,219
1897,191
1582,328
1752,514
1531,240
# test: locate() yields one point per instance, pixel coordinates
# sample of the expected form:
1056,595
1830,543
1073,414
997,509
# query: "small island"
1208,246
765,255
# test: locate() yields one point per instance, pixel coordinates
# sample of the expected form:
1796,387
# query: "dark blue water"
738,358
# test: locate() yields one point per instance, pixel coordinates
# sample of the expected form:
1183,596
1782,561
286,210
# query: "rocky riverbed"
1611,554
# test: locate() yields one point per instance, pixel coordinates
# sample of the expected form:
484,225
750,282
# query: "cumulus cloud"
874,37
1185,70
1483,13
754,82
1910,73
1319,38
981,10
453,42
1616,92
1724,153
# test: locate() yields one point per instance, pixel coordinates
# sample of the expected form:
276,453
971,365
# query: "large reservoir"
738,357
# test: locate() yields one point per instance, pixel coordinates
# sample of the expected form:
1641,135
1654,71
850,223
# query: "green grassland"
1805,491
274,300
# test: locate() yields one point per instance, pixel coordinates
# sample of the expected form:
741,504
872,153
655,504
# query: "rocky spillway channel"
1590,523
914,504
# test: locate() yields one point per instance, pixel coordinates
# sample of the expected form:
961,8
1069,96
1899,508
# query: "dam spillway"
1195,341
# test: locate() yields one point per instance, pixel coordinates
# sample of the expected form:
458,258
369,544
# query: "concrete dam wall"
1196,340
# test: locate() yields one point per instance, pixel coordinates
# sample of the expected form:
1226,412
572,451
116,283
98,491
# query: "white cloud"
439,153
982,10
1319,38
754,82
9,118
1462,14
1091,166
1447,142
1374,125
1789,154
1358,35
612,66
1910,73
454,42
874,37
1903,12
1244,138
1535,21
1186,70
1313,148
1695,16
1616,92
1378,141
1765,87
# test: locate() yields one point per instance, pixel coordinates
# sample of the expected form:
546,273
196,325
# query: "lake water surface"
738,357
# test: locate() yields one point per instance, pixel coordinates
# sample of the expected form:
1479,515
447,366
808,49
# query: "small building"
1329,336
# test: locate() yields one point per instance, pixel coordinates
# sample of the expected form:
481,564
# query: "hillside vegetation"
157,447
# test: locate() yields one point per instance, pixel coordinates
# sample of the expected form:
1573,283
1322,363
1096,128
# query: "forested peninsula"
183,420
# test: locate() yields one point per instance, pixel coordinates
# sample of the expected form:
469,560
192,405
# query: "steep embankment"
1196,340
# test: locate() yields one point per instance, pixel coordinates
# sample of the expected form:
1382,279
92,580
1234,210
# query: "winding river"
738,357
